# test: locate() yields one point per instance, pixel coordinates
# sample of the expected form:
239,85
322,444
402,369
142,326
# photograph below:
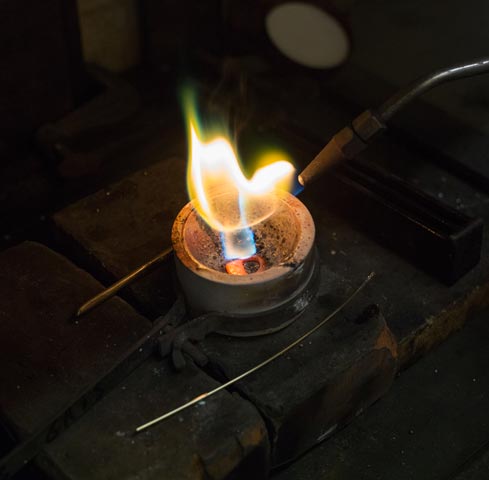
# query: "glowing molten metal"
222,195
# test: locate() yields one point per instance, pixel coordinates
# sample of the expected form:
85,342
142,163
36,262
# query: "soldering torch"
346,144
354,138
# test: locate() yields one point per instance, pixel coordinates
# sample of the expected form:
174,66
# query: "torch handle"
345,144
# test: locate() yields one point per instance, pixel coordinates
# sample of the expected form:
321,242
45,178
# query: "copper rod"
203,396
109,292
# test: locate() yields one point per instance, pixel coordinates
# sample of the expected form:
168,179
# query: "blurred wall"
111,33
41,68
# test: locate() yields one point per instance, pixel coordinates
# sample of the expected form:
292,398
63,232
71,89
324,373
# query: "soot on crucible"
279,270
243,244
274,241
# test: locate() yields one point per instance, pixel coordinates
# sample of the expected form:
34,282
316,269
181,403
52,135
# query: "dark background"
85,85
155,45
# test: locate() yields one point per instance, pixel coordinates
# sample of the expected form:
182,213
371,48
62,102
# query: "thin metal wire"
260,365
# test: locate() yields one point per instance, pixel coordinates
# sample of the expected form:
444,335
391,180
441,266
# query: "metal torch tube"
422,85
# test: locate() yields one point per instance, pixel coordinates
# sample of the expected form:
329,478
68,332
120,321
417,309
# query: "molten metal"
246,266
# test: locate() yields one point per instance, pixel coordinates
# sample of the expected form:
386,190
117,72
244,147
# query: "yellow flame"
221,193
224,197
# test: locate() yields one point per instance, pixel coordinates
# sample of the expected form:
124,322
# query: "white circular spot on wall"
307,35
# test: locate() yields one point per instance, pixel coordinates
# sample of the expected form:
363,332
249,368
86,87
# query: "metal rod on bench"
124,281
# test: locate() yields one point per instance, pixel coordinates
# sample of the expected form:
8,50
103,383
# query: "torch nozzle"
345,144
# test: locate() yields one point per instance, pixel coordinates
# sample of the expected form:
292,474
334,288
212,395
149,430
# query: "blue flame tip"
297,186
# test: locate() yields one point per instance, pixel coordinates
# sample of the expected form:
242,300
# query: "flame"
224,197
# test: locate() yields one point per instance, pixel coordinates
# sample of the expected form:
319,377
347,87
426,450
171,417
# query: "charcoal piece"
47,357
119,228
221,437
320,385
